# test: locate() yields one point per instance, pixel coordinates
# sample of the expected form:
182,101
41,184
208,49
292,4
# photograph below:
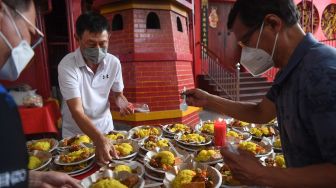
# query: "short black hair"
20,5
253,12
92,22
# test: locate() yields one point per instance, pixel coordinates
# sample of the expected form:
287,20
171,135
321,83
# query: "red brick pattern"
156,63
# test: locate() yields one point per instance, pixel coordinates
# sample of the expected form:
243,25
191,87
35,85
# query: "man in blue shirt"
303,96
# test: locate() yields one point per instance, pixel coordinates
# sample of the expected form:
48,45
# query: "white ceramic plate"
133,144
212,161
82,172
199,126
53,146
152,177
124,133
88,181
149,156
212,172
134,165
133,130
143,141
63,148
166,128
208,140
59,162
44,156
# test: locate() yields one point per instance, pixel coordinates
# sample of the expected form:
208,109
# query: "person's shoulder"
112,58
68,59
321,55
112,61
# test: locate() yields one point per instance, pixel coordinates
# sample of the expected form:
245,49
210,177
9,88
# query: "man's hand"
105,150
197,97
244,166
126,108
51,179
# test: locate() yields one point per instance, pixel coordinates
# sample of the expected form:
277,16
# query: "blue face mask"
20,55
94,55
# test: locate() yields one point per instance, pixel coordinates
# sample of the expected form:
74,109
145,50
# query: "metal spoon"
184,105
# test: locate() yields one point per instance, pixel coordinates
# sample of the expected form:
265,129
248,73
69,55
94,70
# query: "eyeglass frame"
247,36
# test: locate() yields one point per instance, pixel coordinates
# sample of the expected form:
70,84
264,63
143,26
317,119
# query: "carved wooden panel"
309,19
328,22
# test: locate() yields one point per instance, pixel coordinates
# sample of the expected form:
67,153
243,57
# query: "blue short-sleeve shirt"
304,93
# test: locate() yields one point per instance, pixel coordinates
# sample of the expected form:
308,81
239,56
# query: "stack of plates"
74,168
212,172
143,150
137,168
170,133
31,145
132,155
193,146
109,174
133,131
157,174
66,143
44,157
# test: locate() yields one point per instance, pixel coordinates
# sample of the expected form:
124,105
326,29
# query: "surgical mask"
20,55
94,55
255,60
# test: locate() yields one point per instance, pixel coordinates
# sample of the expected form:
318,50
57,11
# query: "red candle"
220,132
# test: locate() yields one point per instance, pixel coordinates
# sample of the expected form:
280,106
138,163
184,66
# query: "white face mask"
257,61
20,55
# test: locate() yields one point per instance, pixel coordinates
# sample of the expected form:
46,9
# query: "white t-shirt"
76,79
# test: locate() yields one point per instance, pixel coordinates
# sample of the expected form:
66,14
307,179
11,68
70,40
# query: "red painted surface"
197,33
156,63
73,11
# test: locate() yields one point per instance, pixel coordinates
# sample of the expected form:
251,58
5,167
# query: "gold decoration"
309,20
328,22
213,17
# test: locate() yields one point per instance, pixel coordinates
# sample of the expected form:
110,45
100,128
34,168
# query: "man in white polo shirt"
86,78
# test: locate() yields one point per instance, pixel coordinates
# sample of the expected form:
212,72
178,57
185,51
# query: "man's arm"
322,175
121,101
246,168
51,179
261,112
104,148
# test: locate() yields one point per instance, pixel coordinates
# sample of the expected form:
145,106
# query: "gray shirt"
304,93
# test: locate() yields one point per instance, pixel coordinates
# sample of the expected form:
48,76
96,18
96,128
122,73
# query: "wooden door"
220,41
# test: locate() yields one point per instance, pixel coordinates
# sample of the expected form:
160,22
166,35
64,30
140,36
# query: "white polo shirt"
76,79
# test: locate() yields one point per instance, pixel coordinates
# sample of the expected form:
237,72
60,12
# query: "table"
40,119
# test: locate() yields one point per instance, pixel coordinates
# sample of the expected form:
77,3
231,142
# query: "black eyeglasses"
247,36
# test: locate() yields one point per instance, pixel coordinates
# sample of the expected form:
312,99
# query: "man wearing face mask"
17,26
86,78
302,97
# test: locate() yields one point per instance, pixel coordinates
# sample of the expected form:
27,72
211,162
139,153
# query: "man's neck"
92,66
290,41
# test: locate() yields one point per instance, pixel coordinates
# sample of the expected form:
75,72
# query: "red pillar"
197,40
73,11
